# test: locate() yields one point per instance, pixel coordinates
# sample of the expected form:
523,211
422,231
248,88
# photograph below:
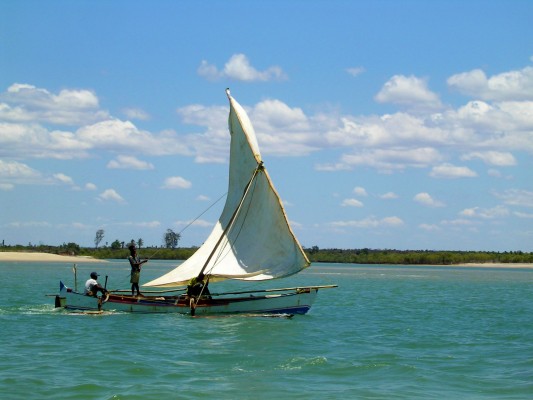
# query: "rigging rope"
233,216
225,244
192,222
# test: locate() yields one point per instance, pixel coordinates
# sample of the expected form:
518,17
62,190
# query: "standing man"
135,263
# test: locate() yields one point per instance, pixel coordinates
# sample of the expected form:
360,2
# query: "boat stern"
61,298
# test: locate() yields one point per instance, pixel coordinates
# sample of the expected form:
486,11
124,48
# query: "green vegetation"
415,257
118,250
115,251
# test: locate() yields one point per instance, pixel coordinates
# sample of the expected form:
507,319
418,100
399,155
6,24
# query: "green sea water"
386,332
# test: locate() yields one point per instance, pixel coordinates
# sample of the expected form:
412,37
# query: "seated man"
196,287
92,287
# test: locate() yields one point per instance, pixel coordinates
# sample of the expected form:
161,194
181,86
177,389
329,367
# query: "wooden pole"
277,290
75,277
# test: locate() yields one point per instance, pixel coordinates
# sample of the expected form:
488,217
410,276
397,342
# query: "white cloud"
355,71
486,213
429,227
457,222
140,224
24,102
360,191
426,200
502,159
388,160
370,222
511,85
16,172
389,143
129,162
198,223
451,171
90,186
388,196
281,130
409,91
6,186
29,224
117,135
176,182
136,113
239,68
516,197
111,195
399,129
63,179
523,215
351,203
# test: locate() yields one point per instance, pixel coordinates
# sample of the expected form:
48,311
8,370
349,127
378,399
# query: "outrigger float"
251,241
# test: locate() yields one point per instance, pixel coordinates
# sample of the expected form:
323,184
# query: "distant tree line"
415,257
119,250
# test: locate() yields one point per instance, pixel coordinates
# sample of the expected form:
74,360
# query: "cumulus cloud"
65,179
360,191
388,196
485,213
426,200
176,182
111,195
408,91
498,158
369,222
15,172
281,130
129,162
351,203
516,197
387,160
27,112
238,68
511,85
120,136
451,171
14,169
417,137
24,102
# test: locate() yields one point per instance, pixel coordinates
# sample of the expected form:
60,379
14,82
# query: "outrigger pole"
277,290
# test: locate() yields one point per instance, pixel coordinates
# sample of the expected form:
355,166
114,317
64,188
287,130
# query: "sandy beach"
43,257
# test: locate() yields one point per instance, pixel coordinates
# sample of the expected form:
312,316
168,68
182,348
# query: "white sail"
252,239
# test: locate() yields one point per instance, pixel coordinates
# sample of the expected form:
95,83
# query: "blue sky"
383,124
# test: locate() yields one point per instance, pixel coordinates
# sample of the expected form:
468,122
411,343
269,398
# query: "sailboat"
251,241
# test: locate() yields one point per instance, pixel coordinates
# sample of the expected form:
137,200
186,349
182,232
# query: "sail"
252,239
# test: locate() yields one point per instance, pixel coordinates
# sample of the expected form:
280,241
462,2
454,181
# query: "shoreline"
25,256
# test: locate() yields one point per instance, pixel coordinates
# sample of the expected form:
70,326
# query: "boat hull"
296,301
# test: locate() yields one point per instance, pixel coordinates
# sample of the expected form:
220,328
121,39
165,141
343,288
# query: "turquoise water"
385,333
